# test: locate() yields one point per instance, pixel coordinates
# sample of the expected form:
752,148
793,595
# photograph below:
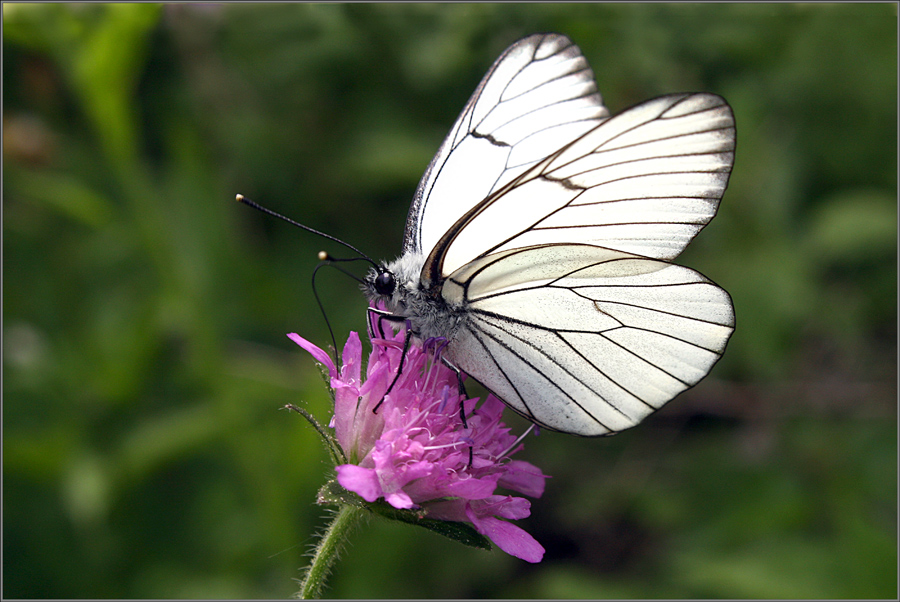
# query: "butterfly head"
384,282
395,285
381,287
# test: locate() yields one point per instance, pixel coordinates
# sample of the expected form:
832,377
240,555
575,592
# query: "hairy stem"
328,549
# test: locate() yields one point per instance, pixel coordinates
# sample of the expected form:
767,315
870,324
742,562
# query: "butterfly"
539,240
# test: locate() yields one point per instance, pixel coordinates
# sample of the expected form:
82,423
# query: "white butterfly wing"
546,226
537,97
583,339
644,181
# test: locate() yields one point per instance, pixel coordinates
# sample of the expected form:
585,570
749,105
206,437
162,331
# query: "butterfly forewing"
537,97
644,182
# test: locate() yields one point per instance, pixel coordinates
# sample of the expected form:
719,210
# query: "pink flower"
414,451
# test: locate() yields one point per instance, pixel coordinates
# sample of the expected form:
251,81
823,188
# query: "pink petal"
352,359
361,481
510,538
399,500
345,408
504,506
318,354
377,380
472,489
511,507
523,477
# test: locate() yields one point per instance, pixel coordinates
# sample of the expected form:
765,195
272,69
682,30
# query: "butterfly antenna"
326,259
337,359
242,199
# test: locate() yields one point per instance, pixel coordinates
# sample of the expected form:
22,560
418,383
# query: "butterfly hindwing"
586,340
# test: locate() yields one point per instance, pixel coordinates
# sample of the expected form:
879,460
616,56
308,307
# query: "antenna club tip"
324,256
239,198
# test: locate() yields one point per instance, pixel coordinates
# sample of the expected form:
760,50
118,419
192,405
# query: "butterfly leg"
406,341
462,391
375,317
463,396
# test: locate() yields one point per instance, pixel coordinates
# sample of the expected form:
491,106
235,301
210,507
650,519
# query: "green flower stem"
328,550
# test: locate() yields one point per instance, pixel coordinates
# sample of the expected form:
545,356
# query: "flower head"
412,448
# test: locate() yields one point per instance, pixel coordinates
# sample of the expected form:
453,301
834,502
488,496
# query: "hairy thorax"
427,311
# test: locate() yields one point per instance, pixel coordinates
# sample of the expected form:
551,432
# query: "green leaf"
461,532
332,493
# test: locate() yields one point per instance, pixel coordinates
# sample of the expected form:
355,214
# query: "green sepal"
331,444
325,375
461,532
332,493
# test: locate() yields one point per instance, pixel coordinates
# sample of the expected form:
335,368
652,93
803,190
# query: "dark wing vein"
701,167
563,367
444,195
473,325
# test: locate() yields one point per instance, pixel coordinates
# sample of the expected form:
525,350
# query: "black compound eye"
385,283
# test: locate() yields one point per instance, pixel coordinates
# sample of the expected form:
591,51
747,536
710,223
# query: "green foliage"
331,493
144,311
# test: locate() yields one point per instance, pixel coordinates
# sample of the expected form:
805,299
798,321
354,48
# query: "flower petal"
318,354
352,359
523,477
399,500
510,538
472,488
346,401
504,506
359,480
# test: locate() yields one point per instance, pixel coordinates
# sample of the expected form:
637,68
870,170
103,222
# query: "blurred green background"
144,314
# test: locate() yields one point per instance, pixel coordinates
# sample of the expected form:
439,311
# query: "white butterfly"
538,243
